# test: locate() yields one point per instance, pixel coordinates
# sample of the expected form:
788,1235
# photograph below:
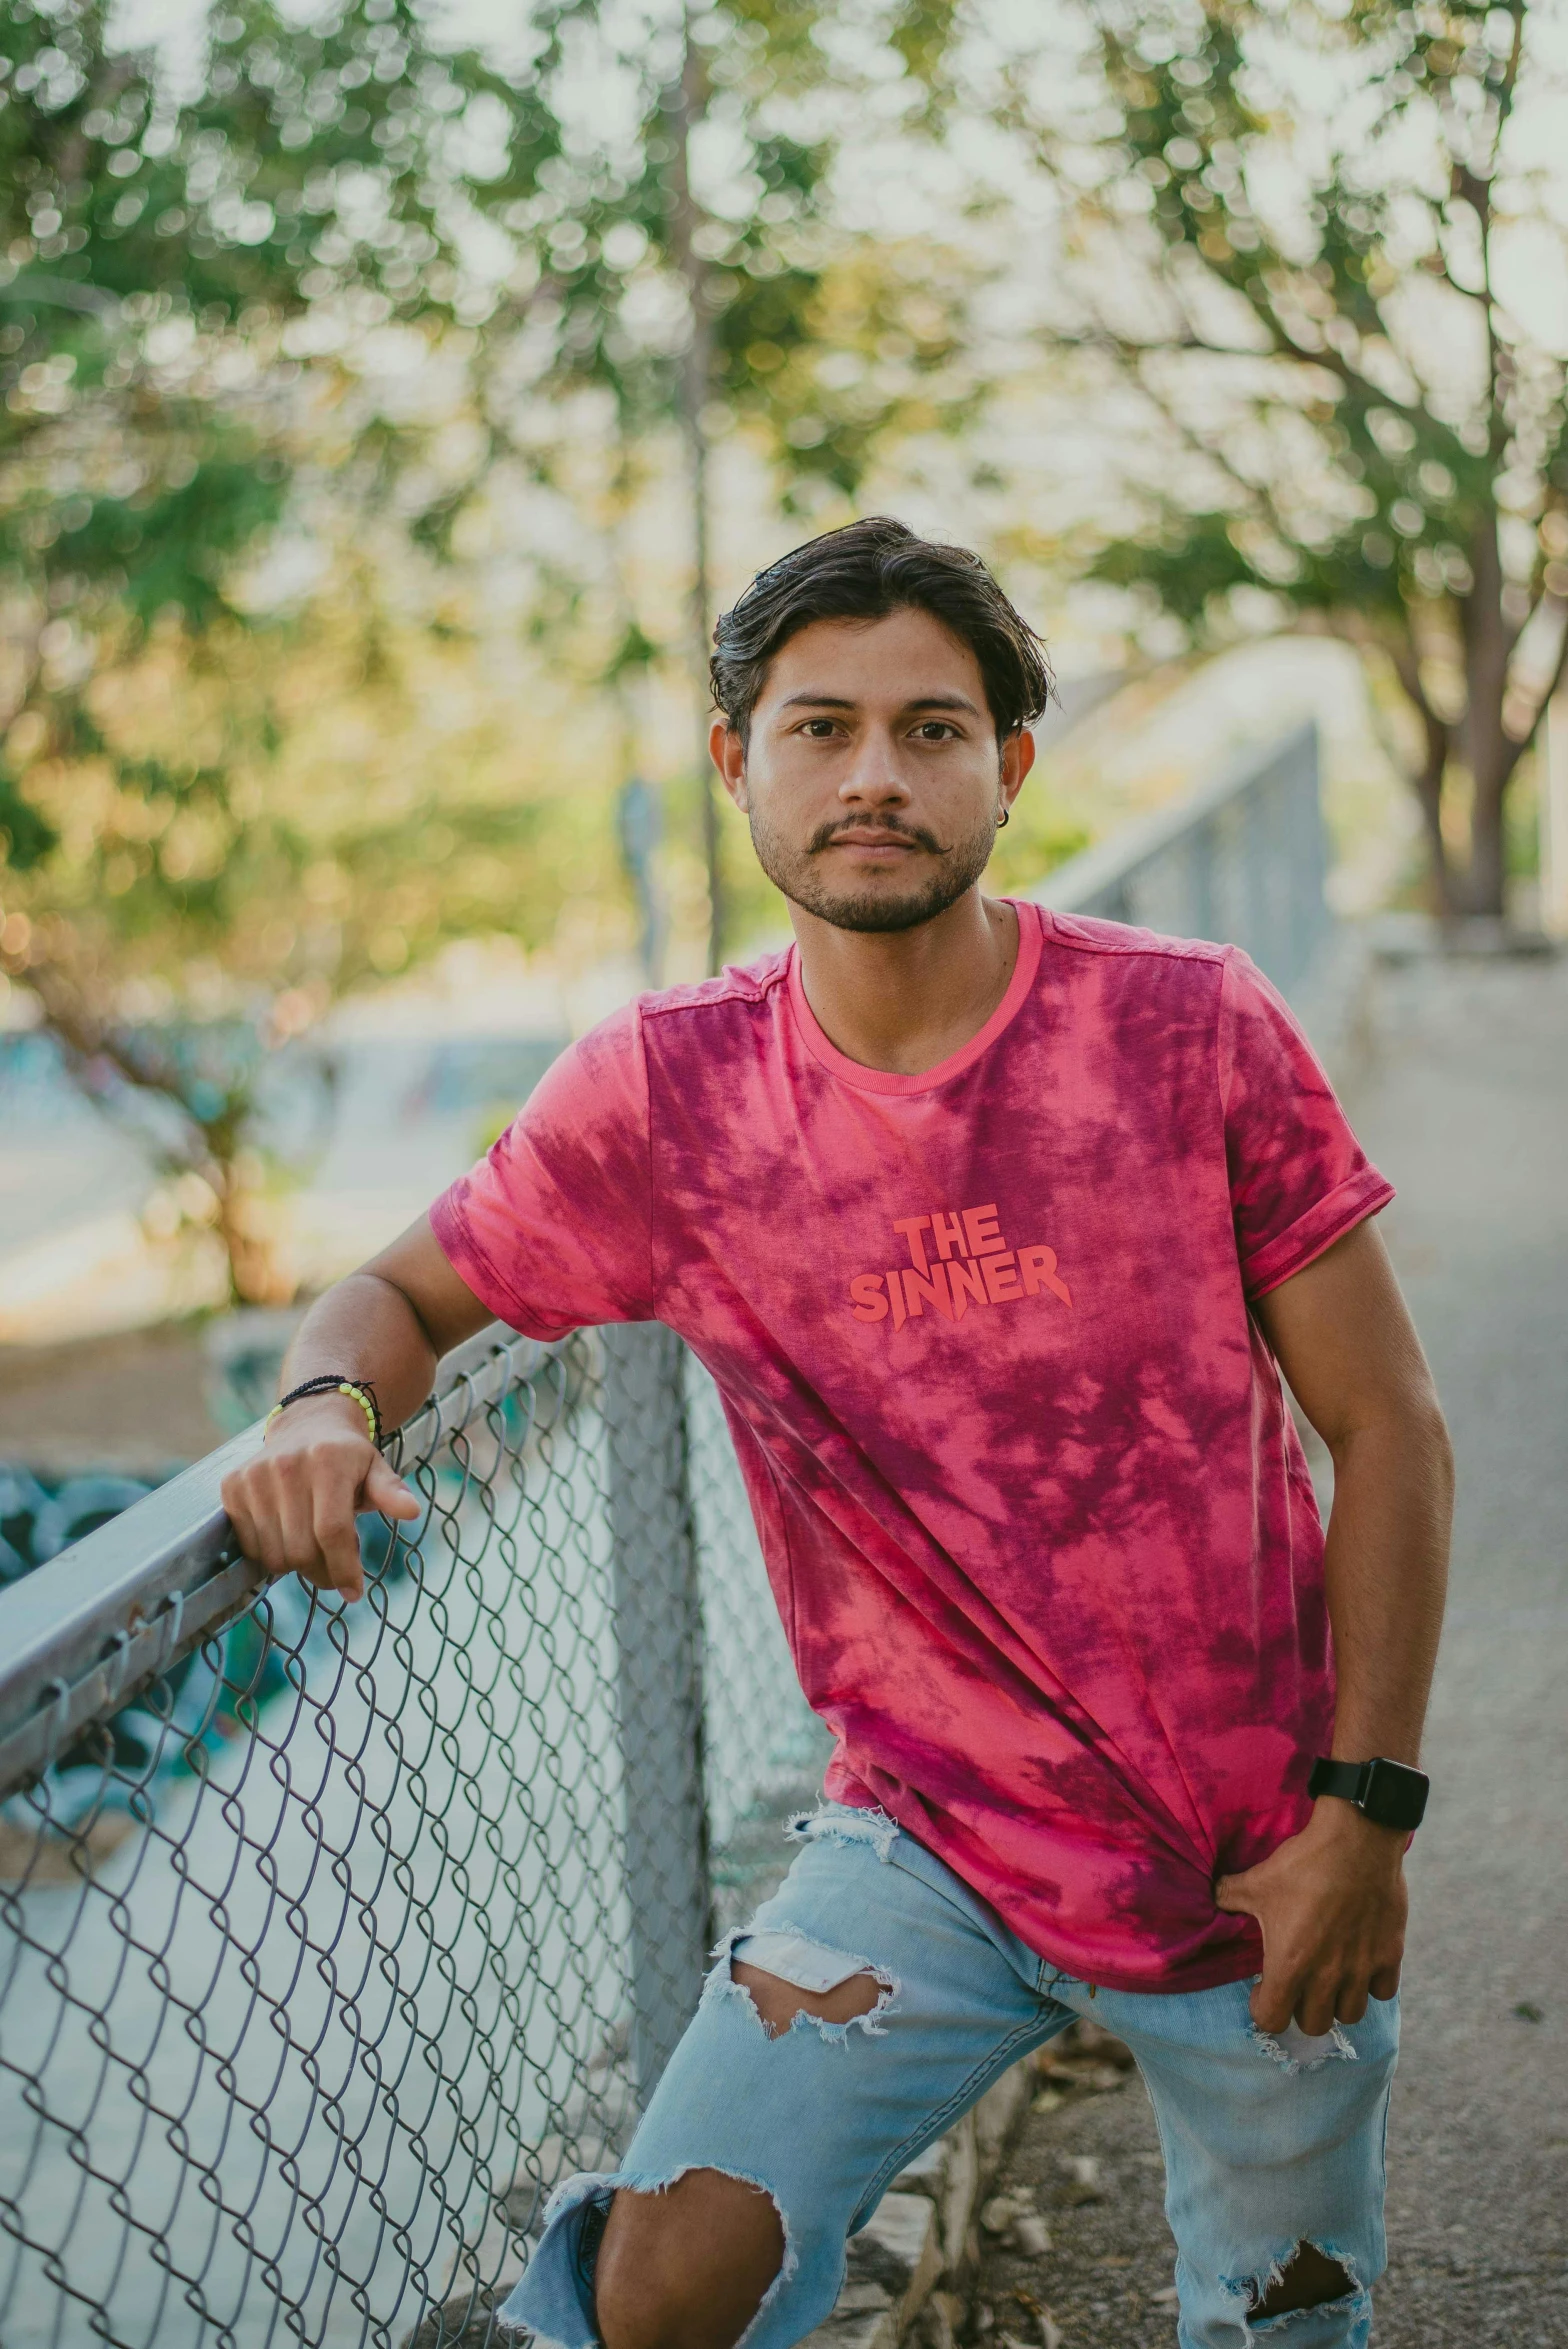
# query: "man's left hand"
1332,1905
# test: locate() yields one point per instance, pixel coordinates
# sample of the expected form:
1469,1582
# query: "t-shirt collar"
875,1080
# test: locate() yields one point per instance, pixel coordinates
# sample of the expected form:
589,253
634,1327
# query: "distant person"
996,1228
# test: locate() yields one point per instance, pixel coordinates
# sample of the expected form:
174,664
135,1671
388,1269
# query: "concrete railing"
1242,859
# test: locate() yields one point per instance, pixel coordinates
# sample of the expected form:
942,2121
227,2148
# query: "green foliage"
183,276
316,157
759,263
1325,447
155,249
1400,486
25,837
152,436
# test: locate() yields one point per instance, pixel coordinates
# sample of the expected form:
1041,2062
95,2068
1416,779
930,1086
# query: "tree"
155,251
153,435
314,805
187,278
1298,238
696,269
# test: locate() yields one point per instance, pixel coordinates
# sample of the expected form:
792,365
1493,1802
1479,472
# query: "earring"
1004,816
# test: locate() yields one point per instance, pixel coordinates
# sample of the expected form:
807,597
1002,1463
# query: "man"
996,1229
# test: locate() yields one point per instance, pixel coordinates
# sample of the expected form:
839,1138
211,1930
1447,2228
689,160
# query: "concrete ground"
132,1403
1467,1112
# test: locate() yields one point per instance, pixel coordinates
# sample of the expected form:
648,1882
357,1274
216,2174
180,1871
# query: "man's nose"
874,779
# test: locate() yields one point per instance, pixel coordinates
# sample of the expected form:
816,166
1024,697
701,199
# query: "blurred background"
393,396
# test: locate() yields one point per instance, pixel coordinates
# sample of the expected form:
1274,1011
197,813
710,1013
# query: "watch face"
1395,1796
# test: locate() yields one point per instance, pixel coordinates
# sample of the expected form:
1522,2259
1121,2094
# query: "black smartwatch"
1387,1793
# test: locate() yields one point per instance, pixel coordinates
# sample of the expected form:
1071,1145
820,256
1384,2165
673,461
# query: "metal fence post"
659,1687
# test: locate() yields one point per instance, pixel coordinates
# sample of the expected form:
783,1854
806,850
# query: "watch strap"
1390,1794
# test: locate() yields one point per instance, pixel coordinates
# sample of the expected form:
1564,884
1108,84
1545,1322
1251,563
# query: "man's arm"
1331,1900
293,1506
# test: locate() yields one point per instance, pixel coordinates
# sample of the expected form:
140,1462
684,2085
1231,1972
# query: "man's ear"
1016,760
728,753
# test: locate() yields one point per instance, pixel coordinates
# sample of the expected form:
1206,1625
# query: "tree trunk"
1490,753
683,105
250,1246
701,625
1428,783
1486,881
1428,778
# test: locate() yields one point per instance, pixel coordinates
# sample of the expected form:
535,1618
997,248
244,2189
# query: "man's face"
873,779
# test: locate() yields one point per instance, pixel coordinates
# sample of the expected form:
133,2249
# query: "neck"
905,1000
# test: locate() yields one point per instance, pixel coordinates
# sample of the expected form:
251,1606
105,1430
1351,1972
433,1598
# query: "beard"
891,905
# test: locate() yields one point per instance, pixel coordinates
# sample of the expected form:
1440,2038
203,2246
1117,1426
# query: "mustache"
828,835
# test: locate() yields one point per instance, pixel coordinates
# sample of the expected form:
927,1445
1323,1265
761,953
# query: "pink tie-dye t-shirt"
1032,1503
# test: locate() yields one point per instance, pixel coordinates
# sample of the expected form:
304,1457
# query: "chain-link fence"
331,1937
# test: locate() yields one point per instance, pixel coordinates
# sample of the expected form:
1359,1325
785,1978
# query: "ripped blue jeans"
1268,2143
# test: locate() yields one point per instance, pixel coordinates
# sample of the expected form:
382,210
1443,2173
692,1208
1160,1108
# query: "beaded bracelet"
332,1382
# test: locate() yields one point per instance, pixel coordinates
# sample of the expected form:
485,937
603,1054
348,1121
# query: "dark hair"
866,571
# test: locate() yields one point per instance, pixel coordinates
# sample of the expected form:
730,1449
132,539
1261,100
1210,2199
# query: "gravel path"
1467,1112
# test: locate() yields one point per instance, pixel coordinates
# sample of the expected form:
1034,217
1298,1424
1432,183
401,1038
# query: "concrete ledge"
1334,1000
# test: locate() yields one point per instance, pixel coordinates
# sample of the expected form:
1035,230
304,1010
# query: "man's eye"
937,730
819,729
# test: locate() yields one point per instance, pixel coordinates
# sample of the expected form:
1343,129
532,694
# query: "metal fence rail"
1242,859
331,1937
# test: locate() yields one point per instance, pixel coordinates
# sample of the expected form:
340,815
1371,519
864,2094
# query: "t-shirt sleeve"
1299,1179
553,1230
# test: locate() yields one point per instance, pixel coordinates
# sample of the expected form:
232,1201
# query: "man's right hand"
294,1505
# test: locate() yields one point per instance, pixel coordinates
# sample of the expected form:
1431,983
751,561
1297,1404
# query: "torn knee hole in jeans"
1309,2276
831,1991
607,2268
